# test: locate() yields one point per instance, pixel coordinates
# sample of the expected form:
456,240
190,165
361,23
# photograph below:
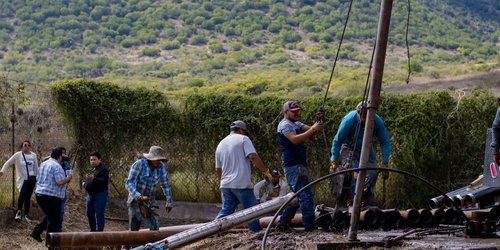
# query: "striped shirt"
142,181
49,173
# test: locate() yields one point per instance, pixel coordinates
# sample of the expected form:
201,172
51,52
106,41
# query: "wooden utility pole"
13,148
373,100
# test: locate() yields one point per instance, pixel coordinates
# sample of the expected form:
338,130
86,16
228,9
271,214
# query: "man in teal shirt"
347,140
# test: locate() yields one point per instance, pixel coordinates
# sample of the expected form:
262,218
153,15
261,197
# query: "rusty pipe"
410,216
425,217
438,216
117,238
392,218
490,213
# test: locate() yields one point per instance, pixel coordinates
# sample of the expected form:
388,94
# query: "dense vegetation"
257,45
433,135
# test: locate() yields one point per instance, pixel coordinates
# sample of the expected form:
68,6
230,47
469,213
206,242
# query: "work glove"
268,175
385,174
496,157
334,165
168,209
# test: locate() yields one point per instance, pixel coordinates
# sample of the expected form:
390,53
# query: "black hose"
268,229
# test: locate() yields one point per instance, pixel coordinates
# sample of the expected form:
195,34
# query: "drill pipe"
372,217
222,224
410,216
439,201
118,238
438,216
425,217
453,217
392,217
477,195
459,200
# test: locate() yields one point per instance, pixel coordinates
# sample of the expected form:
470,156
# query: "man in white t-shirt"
232,164
273,188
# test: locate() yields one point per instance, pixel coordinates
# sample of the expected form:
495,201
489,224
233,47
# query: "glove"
385,174
333,166
496,157
168,209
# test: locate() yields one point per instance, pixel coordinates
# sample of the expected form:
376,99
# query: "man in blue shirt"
50,190
142,179
349,141
291,137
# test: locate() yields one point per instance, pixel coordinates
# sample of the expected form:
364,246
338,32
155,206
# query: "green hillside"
240,46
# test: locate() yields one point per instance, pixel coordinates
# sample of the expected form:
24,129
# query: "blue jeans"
370,182
231,197
96,204
297,177
135,218
63,204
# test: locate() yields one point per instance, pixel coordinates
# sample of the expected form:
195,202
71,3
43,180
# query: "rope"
337,55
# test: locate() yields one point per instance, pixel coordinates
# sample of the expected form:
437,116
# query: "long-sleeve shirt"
269,189
142,180
495,140
100,181
22,172
347,130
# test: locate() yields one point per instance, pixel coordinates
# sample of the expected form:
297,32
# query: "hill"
256,46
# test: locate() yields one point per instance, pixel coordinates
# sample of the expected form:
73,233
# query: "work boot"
36,236
284,228
18,216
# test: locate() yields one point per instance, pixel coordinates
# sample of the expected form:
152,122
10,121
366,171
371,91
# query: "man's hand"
268,175
496,158
317,127
1,174
168,209
142,198
90,177
385,174
334,165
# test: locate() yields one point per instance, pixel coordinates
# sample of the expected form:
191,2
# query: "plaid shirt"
49,173
142,181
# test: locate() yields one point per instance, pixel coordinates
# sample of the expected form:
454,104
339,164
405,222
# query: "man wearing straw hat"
142,179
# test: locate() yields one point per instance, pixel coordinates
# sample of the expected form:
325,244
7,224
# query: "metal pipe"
438,216
373,100
477,195
118,238
222,224
439,201
410,216
392,218
459,200
491,213
425,217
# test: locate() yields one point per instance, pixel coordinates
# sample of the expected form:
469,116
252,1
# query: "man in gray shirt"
232,164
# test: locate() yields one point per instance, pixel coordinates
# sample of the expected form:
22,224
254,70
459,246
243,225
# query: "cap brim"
295,109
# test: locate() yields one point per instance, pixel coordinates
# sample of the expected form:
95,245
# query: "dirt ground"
16,235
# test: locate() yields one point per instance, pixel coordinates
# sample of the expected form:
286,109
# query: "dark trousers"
51,207
25,195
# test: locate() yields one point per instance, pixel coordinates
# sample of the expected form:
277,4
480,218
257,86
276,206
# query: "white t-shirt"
232,156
